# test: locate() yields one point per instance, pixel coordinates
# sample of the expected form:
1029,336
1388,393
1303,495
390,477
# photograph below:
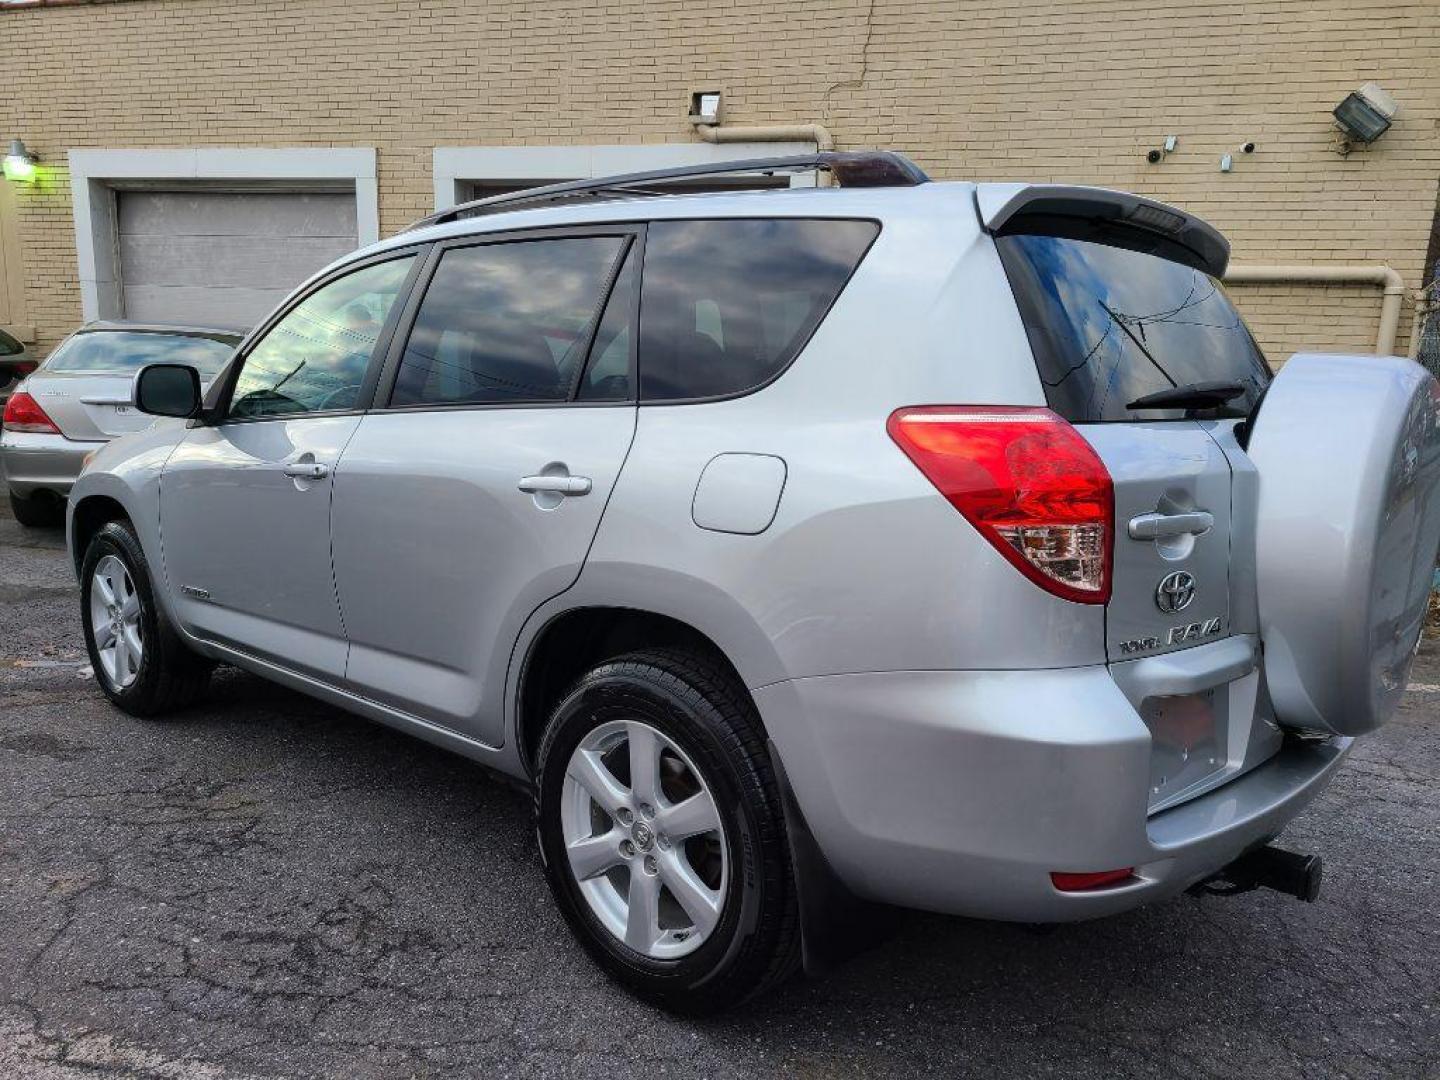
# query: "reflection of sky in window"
754,289
324,344
108,350
1129,324
506,321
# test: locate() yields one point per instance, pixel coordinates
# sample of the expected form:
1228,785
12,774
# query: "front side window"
507,323
727,304
1109,326
122,351
315,358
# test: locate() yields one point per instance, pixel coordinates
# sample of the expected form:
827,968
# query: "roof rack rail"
868,168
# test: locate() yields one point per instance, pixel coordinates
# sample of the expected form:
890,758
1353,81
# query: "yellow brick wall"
1073,91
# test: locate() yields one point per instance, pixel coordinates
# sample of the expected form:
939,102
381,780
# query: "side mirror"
168,390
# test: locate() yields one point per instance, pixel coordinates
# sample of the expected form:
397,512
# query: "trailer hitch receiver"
1266,867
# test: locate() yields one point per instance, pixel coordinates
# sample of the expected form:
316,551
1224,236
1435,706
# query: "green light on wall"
19,164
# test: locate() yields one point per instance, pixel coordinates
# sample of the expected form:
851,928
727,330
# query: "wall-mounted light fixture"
1365,115
18,164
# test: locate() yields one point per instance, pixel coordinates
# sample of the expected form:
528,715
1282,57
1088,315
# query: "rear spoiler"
1103,216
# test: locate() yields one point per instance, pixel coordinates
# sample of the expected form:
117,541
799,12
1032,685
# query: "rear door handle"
307,470
560,485
1166,526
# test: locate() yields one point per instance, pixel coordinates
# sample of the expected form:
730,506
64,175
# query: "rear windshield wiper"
1195,395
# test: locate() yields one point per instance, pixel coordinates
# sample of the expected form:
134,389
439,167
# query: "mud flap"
835,924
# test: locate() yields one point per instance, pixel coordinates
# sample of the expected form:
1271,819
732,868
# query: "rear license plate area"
1187,742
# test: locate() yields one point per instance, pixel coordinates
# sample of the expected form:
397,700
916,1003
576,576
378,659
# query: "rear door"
471,497
1109,327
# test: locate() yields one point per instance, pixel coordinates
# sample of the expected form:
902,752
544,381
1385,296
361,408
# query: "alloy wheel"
644,839
115,622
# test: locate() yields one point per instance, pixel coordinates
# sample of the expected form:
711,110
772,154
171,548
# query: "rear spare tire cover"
1348,452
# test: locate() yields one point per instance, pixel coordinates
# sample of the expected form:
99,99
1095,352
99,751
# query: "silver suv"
879,543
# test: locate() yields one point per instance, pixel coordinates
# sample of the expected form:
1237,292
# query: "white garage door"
225,258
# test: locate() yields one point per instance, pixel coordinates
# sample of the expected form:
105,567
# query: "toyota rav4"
882,542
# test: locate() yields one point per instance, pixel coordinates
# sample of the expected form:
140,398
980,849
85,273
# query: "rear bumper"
35,462
961,792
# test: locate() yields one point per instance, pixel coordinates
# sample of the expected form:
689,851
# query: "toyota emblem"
1175,592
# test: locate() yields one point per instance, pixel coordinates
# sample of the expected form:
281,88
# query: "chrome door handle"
1165,526
307,470
560,485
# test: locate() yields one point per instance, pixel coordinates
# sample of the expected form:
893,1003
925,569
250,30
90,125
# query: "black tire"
170,675
699,706
37,512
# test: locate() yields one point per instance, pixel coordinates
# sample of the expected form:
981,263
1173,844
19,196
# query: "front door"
473,497
245,501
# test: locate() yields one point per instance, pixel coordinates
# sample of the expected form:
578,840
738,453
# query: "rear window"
130,350
726,305
1109,326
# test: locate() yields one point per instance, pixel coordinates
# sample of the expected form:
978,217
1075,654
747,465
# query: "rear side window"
725,305
507,323
1109,326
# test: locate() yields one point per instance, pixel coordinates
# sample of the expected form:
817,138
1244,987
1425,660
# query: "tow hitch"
1266,867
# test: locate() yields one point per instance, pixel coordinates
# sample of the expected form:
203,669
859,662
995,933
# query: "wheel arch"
576,639
87,517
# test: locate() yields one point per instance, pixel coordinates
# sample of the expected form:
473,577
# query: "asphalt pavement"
266,886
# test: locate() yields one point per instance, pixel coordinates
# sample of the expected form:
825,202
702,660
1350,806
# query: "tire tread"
695,681
179,676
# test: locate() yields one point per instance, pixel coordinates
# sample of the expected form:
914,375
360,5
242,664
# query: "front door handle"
1167,526
559,485
307,470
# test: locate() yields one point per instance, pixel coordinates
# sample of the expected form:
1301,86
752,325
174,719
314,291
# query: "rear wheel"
139,660
662,833
37,511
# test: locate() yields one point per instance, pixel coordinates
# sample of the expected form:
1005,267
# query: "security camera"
1247,148
1154,156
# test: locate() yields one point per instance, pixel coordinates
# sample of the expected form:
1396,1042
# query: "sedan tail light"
23,413
1027,481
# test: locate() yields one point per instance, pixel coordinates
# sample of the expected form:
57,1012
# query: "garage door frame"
95,176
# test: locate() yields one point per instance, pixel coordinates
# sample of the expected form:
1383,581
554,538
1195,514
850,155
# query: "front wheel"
662,832
138,658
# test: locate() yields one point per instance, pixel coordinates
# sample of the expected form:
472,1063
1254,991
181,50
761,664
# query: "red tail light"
1027,481
1098,880
23,413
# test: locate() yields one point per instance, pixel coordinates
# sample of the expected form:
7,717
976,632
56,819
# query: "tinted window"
315,358
607,375
726,305
1108,326
126,350
508,322
9,346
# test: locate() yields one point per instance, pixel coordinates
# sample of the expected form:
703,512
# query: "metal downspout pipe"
819,134
1389,280
816,133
